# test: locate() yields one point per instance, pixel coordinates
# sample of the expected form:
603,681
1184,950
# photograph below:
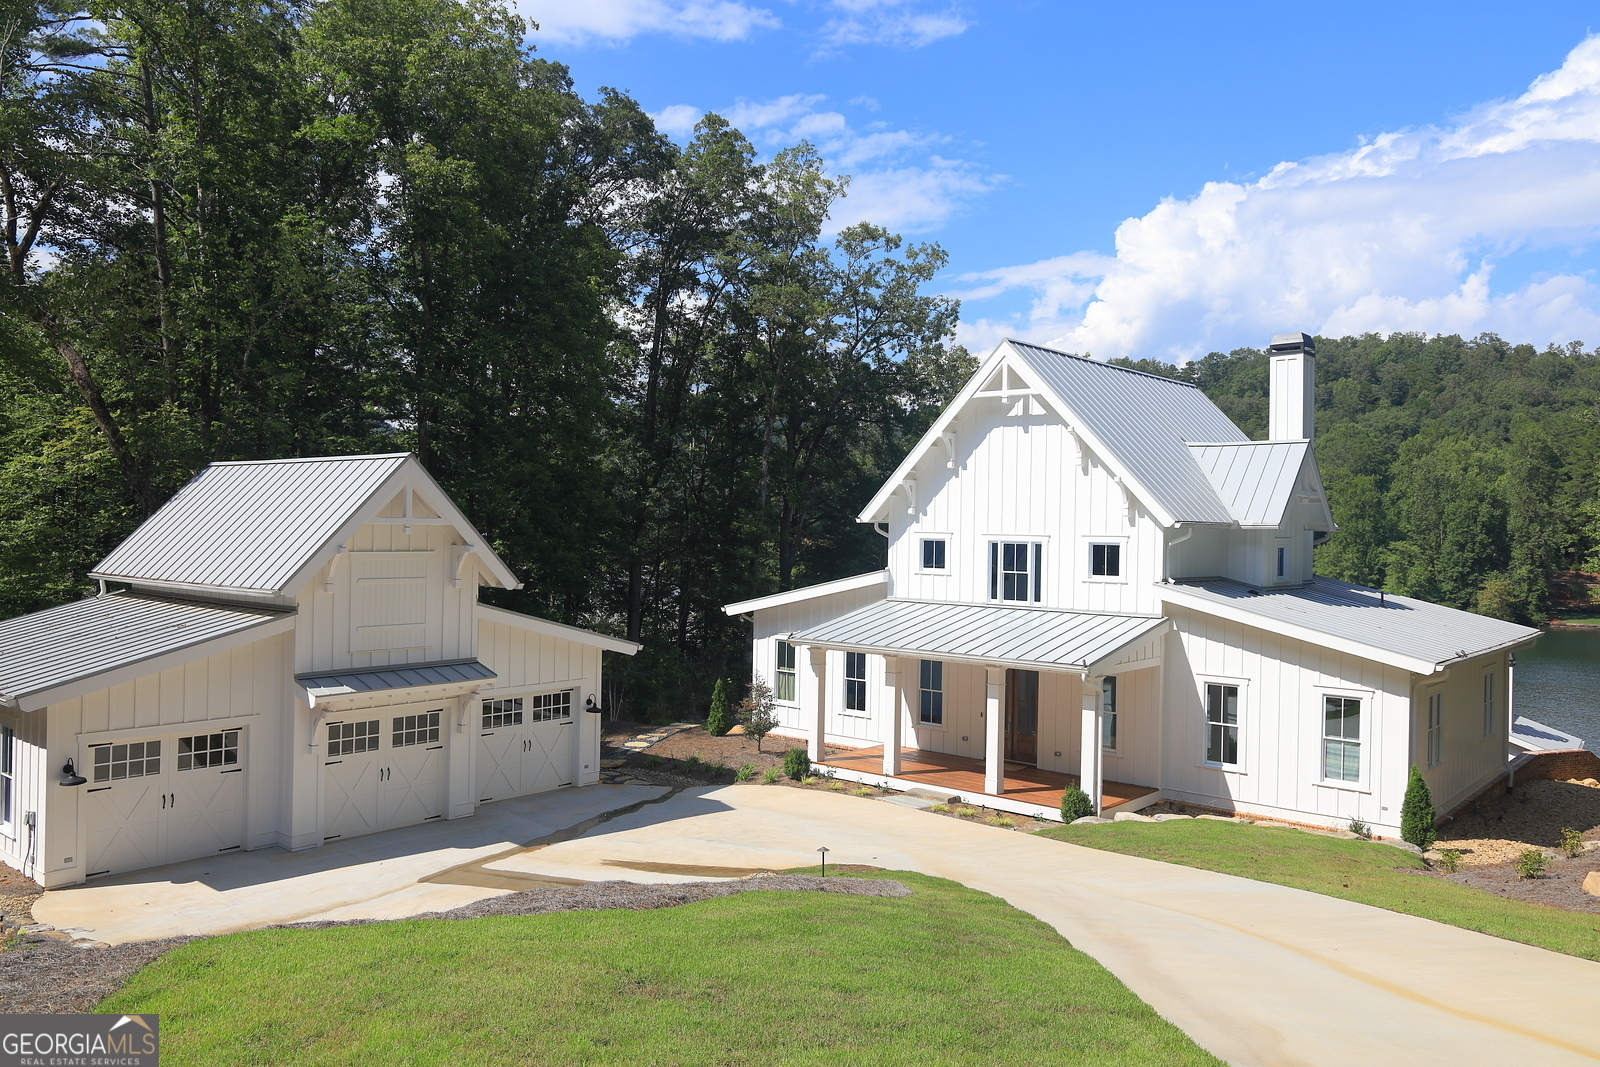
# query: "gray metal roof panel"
248,526
1255,479
1409,627
407,676
1039,637
76,641
1146,421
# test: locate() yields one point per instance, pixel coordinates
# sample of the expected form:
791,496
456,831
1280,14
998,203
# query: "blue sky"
1167,179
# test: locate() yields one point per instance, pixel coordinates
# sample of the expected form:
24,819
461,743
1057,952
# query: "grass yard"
946,976
1355,870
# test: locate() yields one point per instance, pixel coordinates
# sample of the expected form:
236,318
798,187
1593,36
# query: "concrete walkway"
1256,973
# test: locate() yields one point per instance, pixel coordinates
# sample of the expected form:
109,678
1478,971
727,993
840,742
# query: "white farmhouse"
1095,576
293,652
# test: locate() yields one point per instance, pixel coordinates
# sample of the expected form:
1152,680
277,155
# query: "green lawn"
947,975
1355,870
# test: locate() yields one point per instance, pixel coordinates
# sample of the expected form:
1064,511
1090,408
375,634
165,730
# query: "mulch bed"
731,750
55,977
17,894
1533,818
1561,886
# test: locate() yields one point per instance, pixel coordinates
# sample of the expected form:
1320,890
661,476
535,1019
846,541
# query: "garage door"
382,772
525,745
162,799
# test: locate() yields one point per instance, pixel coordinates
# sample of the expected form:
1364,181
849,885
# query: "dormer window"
933,553
1015,570
1283,562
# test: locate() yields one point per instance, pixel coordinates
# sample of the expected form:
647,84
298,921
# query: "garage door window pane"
498,713
420,729
346,738
208,750
113,763
551,707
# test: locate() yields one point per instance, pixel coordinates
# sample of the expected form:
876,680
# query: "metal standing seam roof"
1539,737
379,679
248,526
1146,422
77,641
1029,637
1413,628
1255,479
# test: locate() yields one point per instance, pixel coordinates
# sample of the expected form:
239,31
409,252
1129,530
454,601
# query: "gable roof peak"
1099,363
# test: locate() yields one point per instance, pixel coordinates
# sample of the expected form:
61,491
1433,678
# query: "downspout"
1511,714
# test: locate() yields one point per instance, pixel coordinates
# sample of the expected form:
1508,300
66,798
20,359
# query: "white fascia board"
127,672
810,592
1173,595
1107,661
575,634
1316,478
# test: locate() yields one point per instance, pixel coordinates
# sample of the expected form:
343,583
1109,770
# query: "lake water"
1558,683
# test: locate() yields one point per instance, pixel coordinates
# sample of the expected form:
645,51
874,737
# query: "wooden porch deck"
960,774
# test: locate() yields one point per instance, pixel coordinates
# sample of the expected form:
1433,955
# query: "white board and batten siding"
771,624
1472,750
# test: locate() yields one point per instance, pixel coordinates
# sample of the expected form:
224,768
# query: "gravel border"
51,976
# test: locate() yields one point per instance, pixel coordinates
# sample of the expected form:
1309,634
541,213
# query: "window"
931,711
420,729
346,738
1222,724
1435,729
855,682
551,707
1108,714
498,713
208,750
112,763
784,676
8,738
1283,562
1488,706
1341,739
933,554
1015,570
1105,560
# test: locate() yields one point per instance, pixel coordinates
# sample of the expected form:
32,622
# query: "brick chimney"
1293,387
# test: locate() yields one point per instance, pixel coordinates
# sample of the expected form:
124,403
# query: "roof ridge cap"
305,459
1099,363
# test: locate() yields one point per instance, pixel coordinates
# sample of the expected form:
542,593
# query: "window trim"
1433,733
1369,720
1491,708
1363,732
924,691
1281,563
1123,559
1110,712
942,572
778,671
1036,545
865,710
1241,726
8,775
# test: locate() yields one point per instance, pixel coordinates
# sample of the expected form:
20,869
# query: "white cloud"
1404,232
897,23
581,21
677,120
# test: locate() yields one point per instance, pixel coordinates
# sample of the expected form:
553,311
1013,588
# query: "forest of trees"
648,371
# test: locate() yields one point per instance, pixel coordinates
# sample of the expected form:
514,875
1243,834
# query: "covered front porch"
1028,790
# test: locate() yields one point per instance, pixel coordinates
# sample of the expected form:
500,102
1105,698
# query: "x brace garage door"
525,745
382,770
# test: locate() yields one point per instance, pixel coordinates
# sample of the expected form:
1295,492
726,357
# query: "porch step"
938,796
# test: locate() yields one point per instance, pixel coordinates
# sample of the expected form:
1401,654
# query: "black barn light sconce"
71,775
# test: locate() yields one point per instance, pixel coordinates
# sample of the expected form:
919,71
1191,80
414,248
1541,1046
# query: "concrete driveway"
1256,973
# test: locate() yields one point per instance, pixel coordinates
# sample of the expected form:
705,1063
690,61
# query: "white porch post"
814,695
994,754
891,704
1090,760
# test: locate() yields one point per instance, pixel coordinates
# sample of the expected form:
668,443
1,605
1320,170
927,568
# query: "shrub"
1075,804
796,764
1530,863
717,720
1416,813
745,773
1571,842
967,812
1360,829
863,791
998,819
652,760
757,712
692,764
939,808
769,776
1450,860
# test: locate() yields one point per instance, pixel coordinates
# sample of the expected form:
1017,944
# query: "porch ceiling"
1037,638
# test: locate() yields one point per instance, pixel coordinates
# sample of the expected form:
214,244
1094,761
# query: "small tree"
1075,804
1416,814
717,721
756,712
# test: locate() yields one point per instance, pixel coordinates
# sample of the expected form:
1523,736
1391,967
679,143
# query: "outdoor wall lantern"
72,777
590,706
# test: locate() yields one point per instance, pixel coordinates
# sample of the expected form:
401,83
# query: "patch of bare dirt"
17,894
732,750
1533,817
1561,886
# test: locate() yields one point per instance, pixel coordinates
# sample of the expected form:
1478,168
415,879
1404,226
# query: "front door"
1022,716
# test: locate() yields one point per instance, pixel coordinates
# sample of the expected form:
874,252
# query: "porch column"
1090,759
814,695
994,751
891,704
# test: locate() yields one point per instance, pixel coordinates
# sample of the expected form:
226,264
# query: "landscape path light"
824,851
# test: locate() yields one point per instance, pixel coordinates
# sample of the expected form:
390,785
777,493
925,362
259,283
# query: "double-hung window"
1016,570
931,710
1435,729
1488,706
783,676
1341,739
1222,724
1108,714
855,682
8,740
933,551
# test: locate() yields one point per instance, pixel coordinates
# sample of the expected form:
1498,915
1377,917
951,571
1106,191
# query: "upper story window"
931,711
1016,570
1108,713
933,554
1105,560
1283,562
7,740
855,682
1222,724
783,674
1341,739
1435,729
1488,705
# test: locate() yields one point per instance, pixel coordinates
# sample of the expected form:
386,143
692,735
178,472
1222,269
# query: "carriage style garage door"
383,768
162,799
525,745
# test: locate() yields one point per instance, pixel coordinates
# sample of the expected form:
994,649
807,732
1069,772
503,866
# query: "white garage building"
287,653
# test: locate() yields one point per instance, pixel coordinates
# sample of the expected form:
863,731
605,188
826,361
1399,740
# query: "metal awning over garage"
1038,638
320,684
